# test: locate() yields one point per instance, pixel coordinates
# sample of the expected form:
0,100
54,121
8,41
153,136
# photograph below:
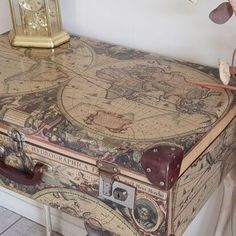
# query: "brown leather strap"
21,177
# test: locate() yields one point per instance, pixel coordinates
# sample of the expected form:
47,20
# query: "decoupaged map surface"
106,101
202,178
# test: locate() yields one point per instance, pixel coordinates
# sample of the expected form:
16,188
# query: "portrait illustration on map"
147,214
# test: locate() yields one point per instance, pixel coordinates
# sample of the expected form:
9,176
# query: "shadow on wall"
70,12
5,19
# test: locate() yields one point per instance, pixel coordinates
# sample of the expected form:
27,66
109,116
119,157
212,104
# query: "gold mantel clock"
36,23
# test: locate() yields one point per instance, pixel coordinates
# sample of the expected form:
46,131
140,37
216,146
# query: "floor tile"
27,227
7,218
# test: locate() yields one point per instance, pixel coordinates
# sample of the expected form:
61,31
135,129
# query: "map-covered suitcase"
116,137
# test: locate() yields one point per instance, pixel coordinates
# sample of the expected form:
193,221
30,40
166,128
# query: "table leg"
48,220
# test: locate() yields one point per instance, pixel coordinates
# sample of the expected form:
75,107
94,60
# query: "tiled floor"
12,224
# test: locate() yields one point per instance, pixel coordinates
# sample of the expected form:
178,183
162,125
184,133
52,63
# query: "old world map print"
106,101
141,100
88,101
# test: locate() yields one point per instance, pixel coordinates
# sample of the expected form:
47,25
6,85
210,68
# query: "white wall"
169,27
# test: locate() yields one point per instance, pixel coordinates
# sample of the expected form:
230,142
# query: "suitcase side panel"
201,179
72,186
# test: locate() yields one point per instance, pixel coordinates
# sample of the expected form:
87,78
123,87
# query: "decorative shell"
224,71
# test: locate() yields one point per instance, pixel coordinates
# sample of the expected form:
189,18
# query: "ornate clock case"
36,23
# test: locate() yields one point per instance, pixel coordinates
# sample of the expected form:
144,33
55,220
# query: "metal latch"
108,172
17,139
110,188
17,147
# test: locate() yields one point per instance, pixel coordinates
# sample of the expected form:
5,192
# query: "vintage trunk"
119,138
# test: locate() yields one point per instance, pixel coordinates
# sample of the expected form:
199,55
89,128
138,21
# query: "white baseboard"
61,222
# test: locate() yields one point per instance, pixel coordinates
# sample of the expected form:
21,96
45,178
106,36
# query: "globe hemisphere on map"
33,70
142,100
84,206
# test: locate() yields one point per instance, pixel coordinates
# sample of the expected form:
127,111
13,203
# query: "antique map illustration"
85,207
106,101
197,184
86,101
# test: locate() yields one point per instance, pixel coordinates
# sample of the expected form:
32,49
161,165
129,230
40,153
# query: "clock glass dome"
36,23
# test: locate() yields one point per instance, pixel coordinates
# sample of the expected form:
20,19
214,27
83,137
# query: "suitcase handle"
20,177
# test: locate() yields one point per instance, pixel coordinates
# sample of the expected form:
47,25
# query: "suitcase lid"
96,101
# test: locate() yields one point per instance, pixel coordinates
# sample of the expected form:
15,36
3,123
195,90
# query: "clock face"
31,5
